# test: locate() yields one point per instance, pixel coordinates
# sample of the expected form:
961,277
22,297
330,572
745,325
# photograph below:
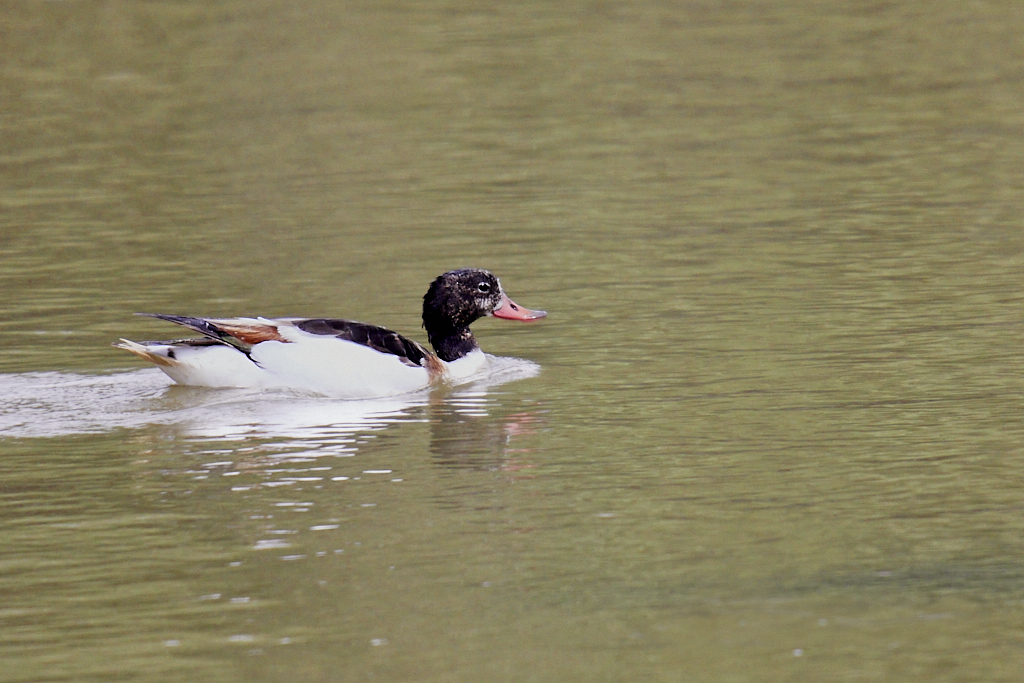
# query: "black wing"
377,338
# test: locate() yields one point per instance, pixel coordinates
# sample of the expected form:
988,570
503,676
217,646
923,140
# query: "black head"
459,297
455,300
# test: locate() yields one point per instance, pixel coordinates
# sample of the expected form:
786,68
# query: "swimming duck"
338,357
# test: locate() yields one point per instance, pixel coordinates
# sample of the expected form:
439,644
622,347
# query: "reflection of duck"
339,357
464,437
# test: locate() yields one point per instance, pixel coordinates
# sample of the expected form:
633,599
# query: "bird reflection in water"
465,436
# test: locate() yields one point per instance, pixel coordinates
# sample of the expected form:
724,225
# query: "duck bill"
510,310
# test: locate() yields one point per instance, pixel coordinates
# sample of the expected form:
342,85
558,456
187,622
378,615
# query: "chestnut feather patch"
251,334
436,370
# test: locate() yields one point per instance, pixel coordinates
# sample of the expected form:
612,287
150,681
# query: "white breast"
463,369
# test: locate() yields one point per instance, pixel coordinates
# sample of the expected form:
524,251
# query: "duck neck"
452,343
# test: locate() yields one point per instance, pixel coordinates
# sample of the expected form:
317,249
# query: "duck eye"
484,287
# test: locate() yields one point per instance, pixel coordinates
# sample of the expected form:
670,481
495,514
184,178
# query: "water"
776,431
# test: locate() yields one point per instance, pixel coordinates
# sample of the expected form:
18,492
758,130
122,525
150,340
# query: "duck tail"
207,329
143,351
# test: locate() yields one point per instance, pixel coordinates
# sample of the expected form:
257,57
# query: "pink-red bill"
510,310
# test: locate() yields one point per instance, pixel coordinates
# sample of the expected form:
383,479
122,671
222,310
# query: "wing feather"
240,333
377,338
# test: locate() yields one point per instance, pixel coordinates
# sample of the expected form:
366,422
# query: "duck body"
337,357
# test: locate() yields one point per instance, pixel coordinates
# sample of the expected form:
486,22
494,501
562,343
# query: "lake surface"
776,431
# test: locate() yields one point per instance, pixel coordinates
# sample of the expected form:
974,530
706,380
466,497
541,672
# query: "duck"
338,357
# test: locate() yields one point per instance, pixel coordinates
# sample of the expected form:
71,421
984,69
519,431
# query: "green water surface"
777,432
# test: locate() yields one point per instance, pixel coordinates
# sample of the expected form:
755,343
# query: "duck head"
459,297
